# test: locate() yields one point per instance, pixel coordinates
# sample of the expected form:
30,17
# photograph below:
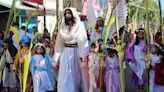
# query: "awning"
34,4
35,1
49,5
22,7
8,3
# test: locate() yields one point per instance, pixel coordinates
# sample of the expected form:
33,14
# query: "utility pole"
57,13
162,31
44,18
160,11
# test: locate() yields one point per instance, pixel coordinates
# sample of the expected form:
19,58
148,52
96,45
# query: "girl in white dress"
93,69
41,68
155,59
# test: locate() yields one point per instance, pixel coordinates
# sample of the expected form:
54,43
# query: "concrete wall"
75,3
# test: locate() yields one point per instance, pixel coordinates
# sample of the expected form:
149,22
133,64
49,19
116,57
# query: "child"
159,70
112,73
93,68
155,59
97,32
43,77
9,76
25,44
52,48
47,45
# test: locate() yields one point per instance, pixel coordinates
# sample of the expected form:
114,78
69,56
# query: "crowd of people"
71,61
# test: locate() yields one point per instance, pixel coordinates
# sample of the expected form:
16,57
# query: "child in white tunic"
154,60
93,69
47,45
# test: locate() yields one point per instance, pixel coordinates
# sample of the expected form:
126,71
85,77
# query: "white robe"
154,88
158,88
21,34
9,76
69,79
95,36
93,72
41,79
138,66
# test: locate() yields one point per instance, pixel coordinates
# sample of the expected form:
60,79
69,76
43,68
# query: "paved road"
129,86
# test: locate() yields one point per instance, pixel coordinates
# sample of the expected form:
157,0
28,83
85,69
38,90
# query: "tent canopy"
8,3
35,1
49,5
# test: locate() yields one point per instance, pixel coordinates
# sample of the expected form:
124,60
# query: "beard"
67,20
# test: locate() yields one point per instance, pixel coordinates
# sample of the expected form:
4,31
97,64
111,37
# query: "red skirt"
159,73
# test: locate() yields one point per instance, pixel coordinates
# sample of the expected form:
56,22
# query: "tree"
137,12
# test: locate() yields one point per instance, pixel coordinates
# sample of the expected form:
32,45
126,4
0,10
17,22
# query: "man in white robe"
72,48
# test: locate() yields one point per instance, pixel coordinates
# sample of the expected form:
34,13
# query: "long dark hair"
2,35
12,49
158,37
72,17
44,51
97,25
137,40
160,52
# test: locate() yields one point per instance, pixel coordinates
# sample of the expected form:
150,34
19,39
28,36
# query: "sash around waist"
71,45
40,69
111,69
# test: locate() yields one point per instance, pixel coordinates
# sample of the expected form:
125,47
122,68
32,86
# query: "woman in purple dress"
135,54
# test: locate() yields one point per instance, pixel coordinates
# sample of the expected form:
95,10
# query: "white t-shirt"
21,34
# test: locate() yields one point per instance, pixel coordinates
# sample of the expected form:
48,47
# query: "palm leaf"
147,40
27,61
10,17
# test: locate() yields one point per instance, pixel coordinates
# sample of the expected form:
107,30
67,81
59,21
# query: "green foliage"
139,16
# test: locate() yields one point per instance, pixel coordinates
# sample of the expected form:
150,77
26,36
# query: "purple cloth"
130,51
130,55
138,81
112,75
142,45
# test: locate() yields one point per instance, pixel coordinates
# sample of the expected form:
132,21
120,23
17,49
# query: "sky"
162,4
